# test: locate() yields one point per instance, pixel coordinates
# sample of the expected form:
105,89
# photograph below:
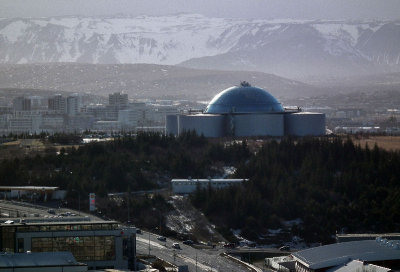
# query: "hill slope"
142,80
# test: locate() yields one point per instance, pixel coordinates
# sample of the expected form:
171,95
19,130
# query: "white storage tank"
259,124
305,124
209,125
171,124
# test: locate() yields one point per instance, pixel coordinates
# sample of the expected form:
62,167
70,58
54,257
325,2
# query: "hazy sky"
266,9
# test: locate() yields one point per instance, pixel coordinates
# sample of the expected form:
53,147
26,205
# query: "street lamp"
159,216
79,201
149,237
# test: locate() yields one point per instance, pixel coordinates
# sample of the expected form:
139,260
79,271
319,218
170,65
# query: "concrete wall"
207,124
258,125
305,123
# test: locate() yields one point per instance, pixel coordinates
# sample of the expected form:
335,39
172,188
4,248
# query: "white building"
187,186
358,266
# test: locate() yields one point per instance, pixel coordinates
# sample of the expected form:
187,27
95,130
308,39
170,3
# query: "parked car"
230,245
138,231
188,242
284,248
162,238
176,245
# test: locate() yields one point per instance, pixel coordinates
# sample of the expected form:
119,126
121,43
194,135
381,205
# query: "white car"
176,245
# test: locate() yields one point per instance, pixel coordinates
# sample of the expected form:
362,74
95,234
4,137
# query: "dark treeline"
330,184
127,163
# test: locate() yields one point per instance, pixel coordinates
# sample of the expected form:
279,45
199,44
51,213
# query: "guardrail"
250,266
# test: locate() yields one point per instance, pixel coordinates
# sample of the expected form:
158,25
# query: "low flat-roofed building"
359,266
380,252
99,244
187,186
43,261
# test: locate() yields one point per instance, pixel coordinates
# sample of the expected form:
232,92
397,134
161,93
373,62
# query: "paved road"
203,259
196,259
16,209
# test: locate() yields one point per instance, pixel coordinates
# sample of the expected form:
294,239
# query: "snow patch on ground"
187,220
293,222
228,171
13,31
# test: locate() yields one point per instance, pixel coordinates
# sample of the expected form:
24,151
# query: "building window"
8,239
84,248
20,245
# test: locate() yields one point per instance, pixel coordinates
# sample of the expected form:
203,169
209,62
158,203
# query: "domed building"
243,99
247,111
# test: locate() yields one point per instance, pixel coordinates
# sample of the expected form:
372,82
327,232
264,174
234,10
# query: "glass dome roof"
243,99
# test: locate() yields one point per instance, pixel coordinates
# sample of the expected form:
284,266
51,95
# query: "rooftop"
358,266
244,99
46,223
208,180
336,254
38,259
28,188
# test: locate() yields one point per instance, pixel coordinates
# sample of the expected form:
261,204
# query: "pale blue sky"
266,9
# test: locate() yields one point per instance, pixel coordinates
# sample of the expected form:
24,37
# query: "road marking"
146,241
200,265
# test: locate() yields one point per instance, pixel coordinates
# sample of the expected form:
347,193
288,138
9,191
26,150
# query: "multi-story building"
158,113
72,105
99,244
58,103
22,104
103,113
133,117
118,99
52,122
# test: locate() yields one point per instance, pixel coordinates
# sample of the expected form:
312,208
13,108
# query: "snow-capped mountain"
283,47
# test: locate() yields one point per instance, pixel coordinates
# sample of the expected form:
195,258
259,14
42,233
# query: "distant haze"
263,9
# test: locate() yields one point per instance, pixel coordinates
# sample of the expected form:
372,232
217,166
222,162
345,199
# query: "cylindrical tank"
209,125
171,124
305,123
258,124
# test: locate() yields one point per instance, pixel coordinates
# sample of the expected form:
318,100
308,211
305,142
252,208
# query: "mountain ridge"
289,48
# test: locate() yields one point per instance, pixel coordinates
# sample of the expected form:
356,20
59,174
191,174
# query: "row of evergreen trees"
329,183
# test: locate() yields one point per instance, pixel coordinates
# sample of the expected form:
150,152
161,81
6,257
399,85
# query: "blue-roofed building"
244,99
247,111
